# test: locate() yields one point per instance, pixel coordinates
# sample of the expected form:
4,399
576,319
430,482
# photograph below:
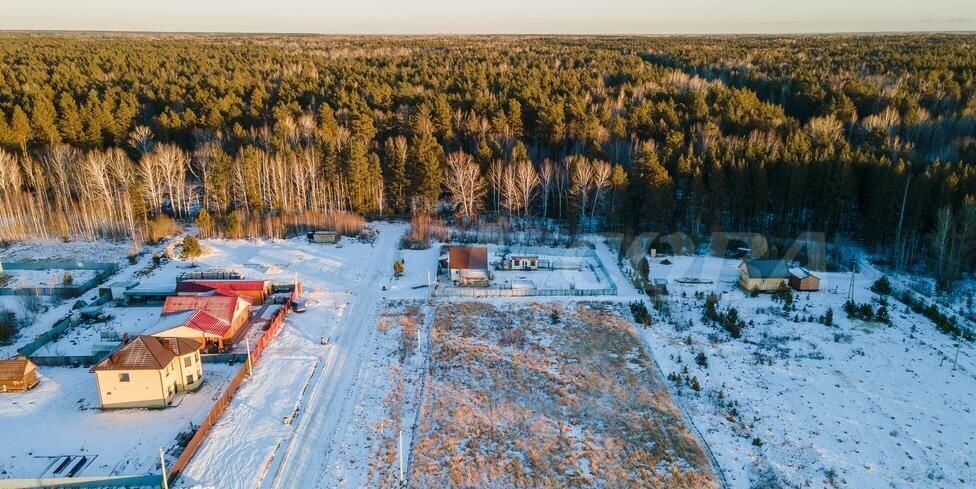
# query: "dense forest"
871,138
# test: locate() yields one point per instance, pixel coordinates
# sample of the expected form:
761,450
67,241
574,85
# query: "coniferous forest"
870,138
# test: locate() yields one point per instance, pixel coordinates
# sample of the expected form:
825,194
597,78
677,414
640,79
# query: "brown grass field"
541,396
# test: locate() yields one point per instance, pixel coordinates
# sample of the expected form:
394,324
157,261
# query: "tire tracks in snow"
310,450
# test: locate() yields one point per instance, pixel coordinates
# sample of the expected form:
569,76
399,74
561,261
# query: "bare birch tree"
601,182
526,183
465,183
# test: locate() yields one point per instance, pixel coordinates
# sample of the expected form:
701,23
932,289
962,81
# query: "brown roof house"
17,375
148,371
468,265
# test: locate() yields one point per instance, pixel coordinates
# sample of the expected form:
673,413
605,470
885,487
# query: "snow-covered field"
52,277
89,251
796,403
61,417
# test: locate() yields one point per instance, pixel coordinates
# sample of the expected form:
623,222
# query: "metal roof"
219,306
147,353
468,258
15,369
767,269
193,319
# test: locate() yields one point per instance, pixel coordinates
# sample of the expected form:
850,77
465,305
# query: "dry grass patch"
539,396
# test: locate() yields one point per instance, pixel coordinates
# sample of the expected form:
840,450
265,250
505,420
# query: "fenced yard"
571,272
64,290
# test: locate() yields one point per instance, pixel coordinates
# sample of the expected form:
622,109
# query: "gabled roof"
147,353
802,273
767,269
193,319
468,257
15,369
219,306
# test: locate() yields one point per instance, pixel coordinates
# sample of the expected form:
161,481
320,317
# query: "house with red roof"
213,319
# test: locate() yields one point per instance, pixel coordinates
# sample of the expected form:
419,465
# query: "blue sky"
492,16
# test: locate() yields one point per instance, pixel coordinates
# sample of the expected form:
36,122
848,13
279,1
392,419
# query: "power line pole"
162,467
850,292
401,459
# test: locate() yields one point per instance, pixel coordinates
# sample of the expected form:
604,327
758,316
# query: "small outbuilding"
17,375
763,275
658,286
801,279
521,262
468,265
324,237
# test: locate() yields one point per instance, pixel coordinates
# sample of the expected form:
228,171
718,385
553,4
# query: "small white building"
521,262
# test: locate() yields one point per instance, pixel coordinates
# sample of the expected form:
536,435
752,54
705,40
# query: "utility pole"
162,467
401,459
955,361
850,292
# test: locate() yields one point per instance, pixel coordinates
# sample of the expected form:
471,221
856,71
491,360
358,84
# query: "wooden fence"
218,408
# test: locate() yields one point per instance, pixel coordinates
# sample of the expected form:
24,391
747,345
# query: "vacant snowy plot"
797,403
60,417
90,251
52,277
386,396
548,396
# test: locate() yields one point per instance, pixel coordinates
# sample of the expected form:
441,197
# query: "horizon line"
485,34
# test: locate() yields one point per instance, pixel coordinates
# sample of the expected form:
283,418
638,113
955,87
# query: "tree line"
869,137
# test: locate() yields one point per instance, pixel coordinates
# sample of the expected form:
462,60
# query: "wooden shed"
17,375
801,279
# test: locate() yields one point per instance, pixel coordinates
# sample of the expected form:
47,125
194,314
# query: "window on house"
187,361
123,377
189,379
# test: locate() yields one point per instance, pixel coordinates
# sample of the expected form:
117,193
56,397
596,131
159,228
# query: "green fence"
103,271
147,480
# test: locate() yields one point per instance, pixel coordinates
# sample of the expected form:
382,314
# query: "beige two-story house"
148,371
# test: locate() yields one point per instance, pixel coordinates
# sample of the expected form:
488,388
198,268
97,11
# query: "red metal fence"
224,400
